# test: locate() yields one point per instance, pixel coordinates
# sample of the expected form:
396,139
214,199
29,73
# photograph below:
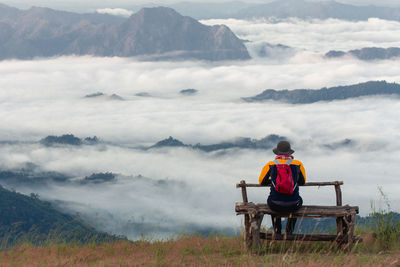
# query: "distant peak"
155,11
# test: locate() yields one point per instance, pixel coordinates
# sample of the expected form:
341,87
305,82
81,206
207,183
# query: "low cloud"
315,35
115,11
47,97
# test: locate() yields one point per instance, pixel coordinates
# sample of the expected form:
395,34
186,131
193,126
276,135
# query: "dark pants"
277,225
283,206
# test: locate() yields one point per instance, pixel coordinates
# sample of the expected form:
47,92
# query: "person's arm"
264,176
302,176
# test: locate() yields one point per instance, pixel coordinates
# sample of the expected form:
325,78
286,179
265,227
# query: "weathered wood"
254,213
299,237
244,191
339,226
309,207
307,184
350,233
339,221
307,237
255,221
247,234
338,195
247,231
304,211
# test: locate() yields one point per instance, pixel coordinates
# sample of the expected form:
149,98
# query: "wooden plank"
307,184
316,216
338,192
244,191
300,237
251,205
308,207
299,212
305,211
307,237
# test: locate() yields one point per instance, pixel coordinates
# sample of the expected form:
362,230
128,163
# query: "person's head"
283,148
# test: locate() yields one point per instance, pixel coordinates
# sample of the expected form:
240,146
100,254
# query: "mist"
172,190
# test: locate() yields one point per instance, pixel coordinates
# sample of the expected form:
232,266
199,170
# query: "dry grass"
194,251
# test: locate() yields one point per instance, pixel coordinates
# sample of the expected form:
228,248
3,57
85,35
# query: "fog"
184,189
316,36
115,11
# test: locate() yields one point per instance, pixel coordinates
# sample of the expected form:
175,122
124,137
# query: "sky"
47,97
92,5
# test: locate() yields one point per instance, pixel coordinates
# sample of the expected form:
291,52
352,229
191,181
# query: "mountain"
367,53
68,139
152,33
100,95
317,10
29,219
208,10
305,96
267,142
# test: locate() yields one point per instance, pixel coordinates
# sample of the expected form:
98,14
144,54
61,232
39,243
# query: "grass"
197,251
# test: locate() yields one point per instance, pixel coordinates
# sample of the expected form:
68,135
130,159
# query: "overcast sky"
91,5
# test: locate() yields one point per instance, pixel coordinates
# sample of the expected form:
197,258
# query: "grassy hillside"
29,219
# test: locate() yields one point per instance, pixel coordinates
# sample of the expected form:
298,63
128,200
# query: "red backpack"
284,183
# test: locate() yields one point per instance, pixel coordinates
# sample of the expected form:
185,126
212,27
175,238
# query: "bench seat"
306,211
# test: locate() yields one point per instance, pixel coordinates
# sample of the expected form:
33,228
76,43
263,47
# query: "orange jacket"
266,171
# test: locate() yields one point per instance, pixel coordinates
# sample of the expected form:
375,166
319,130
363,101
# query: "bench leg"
350,234
349,222
340,232
339,224
255,222
247,232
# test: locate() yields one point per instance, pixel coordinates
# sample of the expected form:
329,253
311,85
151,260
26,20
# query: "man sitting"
284,174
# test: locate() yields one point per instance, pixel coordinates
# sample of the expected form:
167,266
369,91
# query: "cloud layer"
115,11
317,36
46,97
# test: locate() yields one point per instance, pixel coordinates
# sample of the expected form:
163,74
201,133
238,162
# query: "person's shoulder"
270,163
297,162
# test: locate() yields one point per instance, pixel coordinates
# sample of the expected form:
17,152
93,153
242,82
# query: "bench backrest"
337,185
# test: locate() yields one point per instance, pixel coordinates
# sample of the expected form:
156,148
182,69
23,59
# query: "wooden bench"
254,214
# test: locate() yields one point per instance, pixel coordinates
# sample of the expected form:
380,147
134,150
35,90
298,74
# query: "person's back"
284,180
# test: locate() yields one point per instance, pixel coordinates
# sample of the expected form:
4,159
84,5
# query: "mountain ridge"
27,218
367,53
157,33
307,96
318,10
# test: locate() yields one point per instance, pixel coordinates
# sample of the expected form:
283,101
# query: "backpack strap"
288,162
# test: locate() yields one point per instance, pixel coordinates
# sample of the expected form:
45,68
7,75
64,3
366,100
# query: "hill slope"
27,218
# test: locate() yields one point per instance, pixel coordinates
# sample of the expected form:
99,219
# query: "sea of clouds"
47,97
